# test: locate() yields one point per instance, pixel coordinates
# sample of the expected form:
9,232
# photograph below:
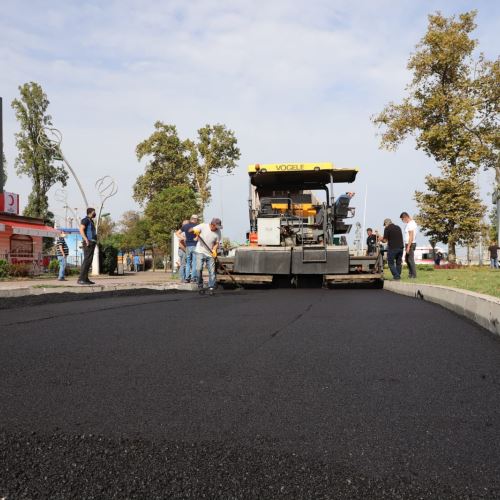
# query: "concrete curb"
43,290
482,309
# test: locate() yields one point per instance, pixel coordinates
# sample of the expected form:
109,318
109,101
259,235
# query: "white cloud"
296,80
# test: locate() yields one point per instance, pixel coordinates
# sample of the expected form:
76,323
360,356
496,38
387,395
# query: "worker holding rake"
209,237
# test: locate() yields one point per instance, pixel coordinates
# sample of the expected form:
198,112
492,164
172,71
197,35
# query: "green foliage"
425,267
34,160
140,235
216,150
19,270
168,163
453,100
493,234
3,173
114,240
109,259
175,162
159,264
106,228
4,268
451,211
452,111
54,266
165,210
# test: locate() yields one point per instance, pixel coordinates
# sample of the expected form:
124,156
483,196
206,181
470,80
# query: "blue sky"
295,80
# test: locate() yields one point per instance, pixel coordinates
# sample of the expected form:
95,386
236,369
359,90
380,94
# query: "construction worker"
393,236
371,242
190,269
209,237
182,251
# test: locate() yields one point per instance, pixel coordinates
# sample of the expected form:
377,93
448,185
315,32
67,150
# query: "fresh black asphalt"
254,394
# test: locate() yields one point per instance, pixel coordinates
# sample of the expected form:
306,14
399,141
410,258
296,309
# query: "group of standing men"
198,247
397,245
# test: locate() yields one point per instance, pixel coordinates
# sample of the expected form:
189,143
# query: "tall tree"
33,159
177,162
451,108
166,210
451,212
215,150
3,173
168,163
452,102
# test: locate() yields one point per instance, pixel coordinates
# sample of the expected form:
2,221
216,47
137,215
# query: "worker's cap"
387,222
216,222
194,217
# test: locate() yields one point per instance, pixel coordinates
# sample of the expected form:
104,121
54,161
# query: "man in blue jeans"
62,252
190,269
393,236
209,237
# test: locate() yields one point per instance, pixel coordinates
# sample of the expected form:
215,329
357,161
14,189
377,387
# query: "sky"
296,80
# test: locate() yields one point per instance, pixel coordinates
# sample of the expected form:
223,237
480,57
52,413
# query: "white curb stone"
483,309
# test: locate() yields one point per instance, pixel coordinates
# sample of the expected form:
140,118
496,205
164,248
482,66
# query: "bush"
71,271
19,270
159,263
54,266
4,268
425,267
108,256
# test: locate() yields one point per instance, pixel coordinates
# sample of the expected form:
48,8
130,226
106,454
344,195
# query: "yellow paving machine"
298,228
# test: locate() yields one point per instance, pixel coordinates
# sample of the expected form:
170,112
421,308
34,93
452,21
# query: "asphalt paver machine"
298,229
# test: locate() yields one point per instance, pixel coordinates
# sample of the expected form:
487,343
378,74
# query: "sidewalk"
158,280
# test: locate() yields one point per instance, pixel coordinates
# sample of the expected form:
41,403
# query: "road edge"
482,309
44,290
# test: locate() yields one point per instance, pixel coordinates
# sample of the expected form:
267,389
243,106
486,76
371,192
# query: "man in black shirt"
62,252
89,237
493,249
371,242
393,236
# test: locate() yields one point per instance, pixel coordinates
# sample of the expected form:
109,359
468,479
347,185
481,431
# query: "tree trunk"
452,254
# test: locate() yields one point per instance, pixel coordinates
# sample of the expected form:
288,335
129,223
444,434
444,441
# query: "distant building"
21,237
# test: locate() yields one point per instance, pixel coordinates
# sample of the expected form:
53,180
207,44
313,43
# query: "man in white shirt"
209,237
410,243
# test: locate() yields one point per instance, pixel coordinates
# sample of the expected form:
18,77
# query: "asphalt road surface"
254,394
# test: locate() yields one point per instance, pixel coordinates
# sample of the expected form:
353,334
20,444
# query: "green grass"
474,278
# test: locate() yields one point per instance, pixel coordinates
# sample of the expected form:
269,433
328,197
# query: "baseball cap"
194,216
216,222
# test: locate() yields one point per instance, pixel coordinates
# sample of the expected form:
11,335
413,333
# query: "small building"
21,238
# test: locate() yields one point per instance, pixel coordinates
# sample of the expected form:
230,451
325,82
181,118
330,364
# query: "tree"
176,162
168,164
106,227
134,229
493,215
165,212
35,160
3,173
128,221
216,150
451,212
452,102
452,110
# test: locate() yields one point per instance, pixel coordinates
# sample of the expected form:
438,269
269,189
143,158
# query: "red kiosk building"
21,237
